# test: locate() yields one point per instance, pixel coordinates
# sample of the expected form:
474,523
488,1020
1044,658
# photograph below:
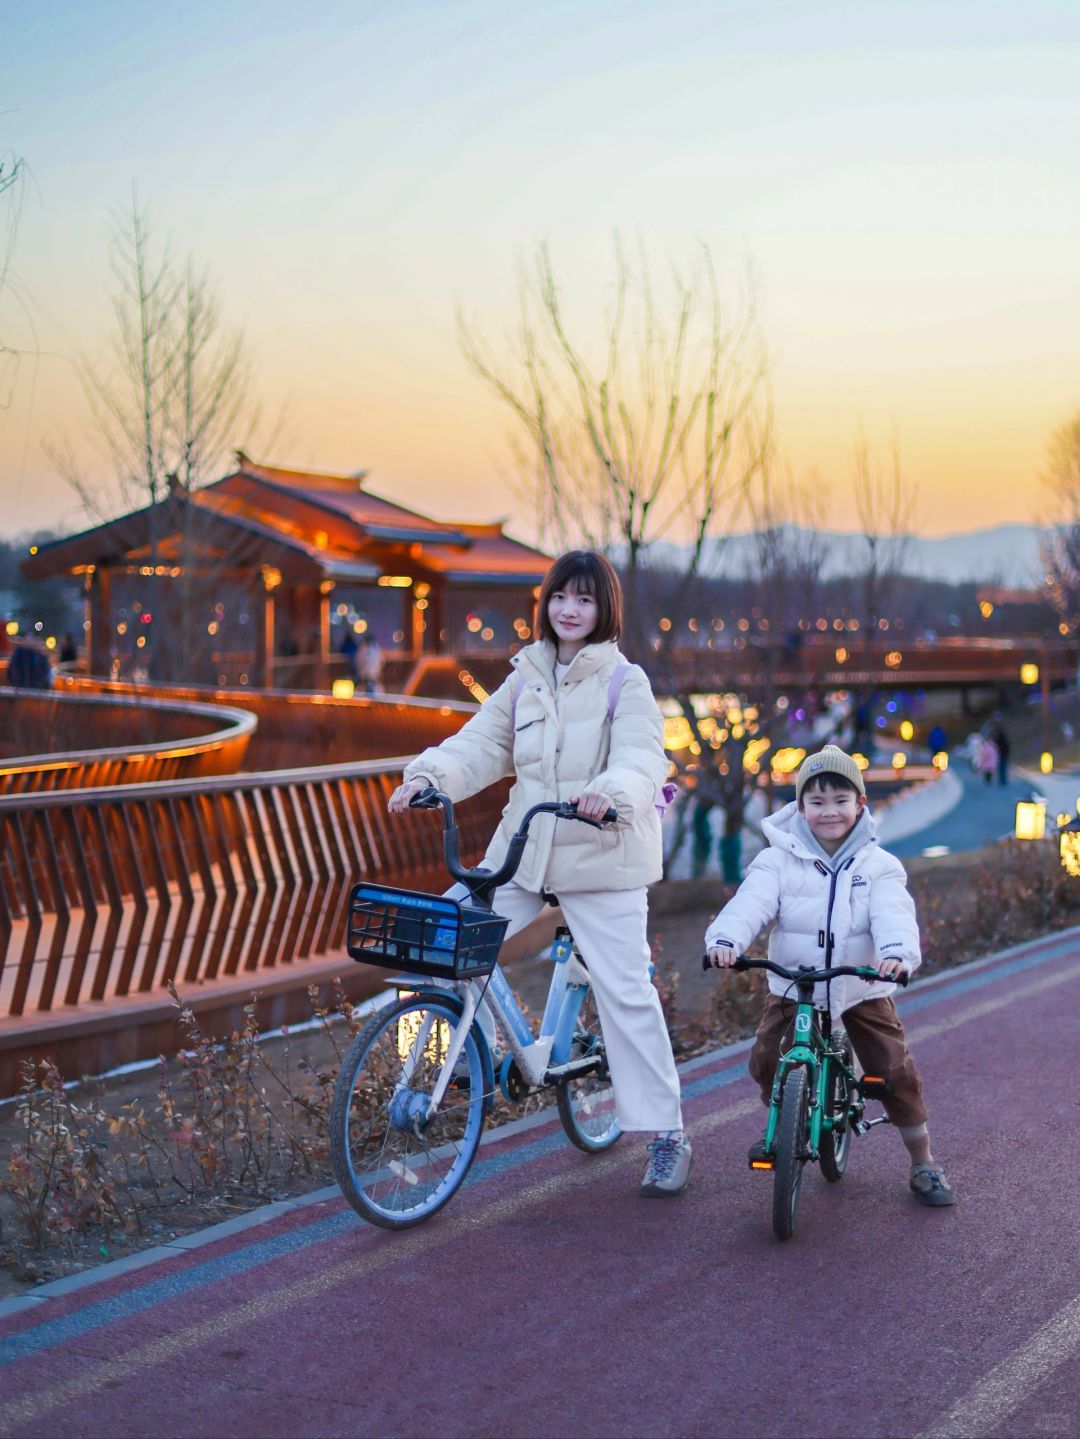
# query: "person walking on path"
824,875
1001,740
576,722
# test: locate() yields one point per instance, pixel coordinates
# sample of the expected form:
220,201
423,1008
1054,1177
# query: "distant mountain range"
1006,555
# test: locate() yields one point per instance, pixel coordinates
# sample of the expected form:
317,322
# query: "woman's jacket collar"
540,657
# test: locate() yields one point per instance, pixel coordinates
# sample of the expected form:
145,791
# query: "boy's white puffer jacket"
872,914
558,742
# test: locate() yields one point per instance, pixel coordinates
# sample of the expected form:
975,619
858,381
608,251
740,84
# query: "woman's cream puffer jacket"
558,742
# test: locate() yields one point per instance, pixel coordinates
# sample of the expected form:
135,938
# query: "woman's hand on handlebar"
405,793
721,956
592,804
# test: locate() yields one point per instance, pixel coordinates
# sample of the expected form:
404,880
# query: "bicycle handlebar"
482,883
806,977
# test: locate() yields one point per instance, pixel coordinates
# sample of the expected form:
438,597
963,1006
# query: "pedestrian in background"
1001,740
29,667
369,661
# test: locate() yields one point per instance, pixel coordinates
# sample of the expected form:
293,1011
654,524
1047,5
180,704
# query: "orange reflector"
872,1079
761,1164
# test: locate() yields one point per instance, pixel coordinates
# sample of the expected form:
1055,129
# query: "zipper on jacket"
834,875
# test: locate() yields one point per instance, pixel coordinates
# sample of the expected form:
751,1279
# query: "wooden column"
99,613
266,627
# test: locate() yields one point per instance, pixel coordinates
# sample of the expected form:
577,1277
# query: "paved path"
985,813
548,1299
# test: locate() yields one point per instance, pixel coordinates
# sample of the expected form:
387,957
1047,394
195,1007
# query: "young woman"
549,726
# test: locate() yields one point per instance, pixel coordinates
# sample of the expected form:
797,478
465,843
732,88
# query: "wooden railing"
69,739
110,894
307,728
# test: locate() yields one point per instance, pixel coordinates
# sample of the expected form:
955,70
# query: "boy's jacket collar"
788,830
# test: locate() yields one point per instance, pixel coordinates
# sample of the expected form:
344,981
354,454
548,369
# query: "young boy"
825,875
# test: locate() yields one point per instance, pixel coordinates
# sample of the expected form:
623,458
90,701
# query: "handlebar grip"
426,799
609,817
902,979
740,963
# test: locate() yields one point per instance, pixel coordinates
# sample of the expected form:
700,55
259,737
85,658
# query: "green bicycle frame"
814,1051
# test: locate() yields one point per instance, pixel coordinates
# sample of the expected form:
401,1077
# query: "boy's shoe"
668,1169
757,1150
930,1187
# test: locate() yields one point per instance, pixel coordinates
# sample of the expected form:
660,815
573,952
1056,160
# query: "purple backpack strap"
614,689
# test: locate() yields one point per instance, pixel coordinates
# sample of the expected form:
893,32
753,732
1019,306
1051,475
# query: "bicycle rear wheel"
587,1105
790,1152
836,1141
395,1165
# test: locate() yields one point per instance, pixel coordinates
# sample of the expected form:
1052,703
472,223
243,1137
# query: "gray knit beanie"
830,760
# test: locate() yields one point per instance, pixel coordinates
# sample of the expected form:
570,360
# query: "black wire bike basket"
422,933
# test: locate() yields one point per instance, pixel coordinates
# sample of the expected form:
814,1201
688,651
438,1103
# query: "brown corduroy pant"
877,1037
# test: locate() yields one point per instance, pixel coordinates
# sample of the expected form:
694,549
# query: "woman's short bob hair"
588,573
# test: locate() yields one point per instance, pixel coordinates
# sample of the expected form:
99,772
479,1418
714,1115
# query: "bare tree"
657,442
1061,543
174,395
885,504
12,179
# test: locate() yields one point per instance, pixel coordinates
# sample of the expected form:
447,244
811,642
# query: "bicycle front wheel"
790,1152
587,1105
396,1163
836,1139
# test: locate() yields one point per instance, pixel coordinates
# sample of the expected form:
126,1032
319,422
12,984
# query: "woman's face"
573,615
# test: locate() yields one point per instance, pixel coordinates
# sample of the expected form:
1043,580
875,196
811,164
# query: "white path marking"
1009,1384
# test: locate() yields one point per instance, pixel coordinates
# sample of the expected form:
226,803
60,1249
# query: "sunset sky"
902,177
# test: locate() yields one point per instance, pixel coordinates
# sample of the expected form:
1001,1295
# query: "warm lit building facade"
258,578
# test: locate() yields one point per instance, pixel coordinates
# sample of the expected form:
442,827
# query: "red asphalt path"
548,1299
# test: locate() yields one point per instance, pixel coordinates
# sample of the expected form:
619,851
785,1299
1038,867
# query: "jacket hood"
540,657
787,830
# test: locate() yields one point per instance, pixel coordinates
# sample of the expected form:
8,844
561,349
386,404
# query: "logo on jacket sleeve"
858,879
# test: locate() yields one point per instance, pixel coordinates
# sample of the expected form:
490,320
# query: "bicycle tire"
395,1167
790,1152
587,1105
836,1142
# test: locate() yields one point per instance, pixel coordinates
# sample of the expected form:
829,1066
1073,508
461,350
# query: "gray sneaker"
930,1187
668,1169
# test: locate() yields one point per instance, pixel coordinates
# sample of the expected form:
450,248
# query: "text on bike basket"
422,933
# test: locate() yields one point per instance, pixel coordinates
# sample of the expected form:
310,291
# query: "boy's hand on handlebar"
592,804
405,793
891,968
722,956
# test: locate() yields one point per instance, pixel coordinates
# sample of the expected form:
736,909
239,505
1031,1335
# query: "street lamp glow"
1029,674
1046,762
907,730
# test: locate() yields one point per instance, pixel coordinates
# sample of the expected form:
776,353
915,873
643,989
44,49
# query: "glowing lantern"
1029,674
343,689
907,730
1030,819
1046,762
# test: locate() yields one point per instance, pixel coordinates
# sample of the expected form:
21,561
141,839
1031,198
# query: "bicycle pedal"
872,1086
767,1164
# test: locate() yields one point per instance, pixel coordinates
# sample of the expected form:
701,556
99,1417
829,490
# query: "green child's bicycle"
817,1101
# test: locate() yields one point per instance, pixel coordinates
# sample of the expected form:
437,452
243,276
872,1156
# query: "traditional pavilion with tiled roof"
274,566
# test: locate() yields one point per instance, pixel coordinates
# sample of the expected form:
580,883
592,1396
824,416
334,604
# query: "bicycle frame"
538,1057
812,1049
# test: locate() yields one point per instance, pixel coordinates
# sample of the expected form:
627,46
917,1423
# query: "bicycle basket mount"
422,933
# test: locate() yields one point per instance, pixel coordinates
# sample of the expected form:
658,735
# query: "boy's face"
831,812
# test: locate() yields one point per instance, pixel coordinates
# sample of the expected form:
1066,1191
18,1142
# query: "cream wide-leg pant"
609,930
